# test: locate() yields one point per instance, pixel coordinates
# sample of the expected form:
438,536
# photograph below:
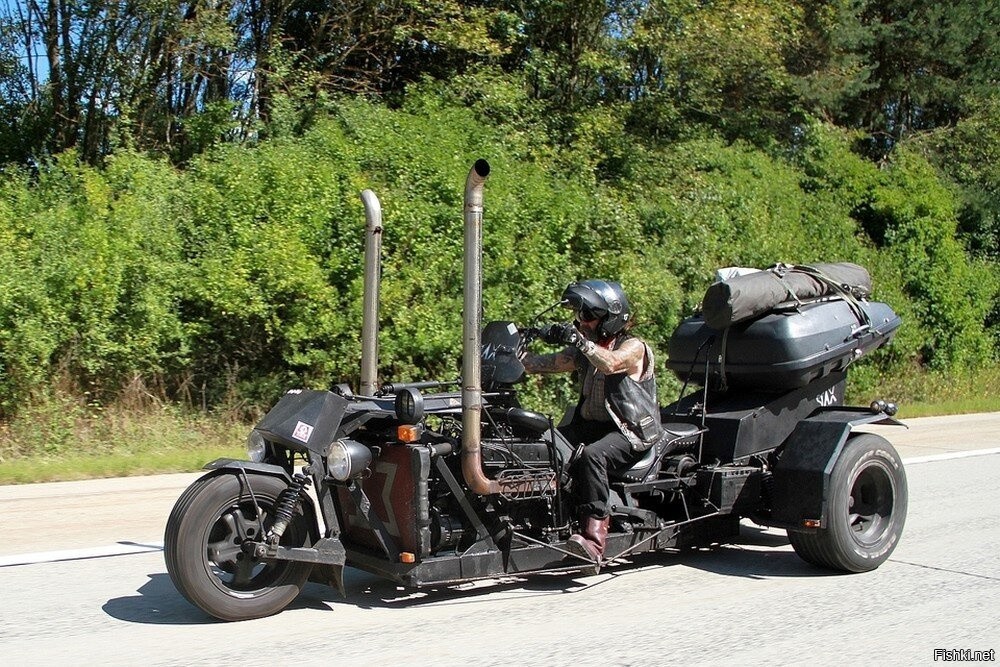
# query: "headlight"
256,447
347,459
409,406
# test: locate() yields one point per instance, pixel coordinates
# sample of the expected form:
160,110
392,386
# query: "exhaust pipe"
373,276
472,389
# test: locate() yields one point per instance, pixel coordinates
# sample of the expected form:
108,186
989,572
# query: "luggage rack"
793,305
864,319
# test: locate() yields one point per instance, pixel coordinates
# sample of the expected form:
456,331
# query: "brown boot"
590,541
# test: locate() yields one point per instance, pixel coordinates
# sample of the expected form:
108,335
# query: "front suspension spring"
284,508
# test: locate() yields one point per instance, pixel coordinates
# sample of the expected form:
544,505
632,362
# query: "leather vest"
632,405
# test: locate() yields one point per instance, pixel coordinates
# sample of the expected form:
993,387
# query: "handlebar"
504,351
394,387
529,334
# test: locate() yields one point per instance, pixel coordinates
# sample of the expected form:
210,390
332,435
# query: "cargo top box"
784,349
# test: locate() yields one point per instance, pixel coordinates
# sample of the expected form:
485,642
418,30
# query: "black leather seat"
677,437
680,435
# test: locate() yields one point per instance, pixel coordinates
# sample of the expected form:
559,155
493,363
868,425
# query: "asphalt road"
67,600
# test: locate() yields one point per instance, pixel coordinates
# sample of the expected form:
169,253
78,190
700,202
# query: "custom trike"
436,482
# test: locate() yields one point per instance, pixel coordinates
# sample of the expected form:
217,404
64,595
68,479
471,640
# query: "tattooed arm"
558,362
628,358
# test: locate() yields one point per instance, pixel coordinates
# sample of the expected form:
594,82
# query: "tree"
830,64
898,67
969,154
719,63
100,73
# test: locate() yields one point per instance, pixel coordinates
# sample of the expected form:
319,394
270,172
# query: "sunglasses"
586,315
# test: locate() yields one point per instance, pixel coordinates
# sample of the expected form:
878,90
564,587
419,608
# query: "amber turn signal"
409,432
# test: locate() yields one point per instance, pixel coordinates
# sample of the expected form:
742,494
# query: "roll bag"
746,296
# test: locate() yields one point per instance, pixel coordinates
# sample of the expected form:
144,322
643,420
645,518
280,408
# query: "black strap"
843,290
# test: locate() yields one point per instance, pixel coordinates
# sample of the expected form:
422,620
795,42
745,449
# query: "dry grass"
62,436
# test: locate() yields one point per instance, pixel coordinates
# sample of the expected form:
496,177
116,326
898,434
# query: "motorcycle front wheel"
203,547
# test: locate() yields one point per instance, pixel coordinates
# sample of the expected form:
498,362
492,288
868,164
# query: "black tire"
866,512
203,554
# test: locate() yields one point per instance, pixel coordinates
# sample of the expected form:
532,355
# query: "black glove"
552,333
562,333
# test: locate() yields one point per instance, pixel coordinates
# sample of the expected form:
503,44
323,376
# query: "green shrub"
914,215
225,283
92,270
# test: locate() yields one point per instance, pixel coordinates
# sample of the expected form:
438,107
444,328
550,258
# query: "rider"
617,417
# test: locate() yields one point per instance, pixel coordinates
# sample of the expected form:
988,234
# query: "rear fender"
800,488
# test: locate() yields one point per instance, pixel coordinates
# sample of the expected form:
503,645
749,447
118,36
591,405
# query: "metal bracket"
463,501
382,534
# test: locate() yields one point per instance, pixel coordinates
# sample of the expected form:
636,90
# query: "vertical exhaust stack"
472,385
373,276
472,389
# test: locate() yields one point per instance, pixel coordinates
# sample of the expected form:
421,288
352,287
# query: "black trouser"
605,449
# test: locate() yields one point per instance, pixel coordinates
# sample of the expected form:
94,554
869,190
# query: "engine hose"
285,507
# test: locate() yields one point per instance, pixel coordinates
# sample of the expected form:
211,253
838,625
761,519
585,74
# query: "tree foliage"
241,274
179,202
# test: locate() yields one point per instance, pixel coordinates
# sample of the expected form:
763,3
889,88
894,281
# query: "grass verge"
57,439
60,438
67,468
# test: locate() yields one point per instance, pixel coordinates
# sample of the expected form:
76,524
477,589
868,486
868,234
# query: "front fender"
236,465
240,467
800,488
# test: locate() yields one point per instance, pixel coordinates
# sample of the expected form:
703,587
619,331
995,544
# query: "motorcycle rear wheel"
203,548
868,498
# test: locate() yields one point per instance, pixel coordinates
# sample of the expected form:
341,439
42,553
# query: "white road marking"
950,455
117,549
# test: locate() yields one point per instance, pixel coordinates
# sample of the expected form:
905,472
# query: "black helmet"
602,300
